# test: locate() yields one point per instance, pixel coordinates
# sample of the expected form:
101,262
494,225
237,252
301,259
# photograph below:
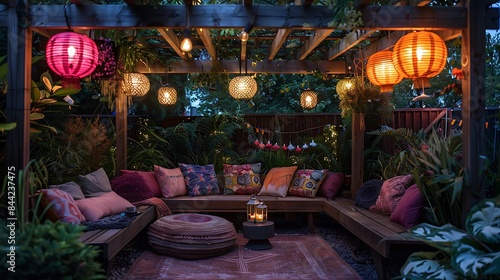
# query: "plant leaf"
35,92
438,237
7,126
36,116
470,261
47,80
483,221
427,265
65,91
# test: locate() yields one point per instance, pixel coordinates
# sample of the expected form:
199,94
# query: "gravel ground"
350,248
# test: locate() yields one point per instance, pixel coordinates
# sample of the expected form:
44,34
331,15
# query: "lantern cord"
66,16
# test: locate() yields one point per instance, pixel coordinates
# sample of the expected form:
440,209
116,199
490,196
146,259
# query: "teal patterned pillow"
200,179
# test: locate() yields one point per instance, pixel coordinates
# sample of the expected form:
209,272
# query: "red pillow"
331,185
409,209
132,187
391,192
150,178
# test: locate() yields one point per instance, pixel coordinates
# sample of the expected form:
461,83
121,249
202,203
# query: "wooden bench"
384,238
112,241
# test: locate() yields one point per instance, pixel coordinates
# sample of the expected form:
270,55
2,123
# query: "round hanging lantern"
243,87
419,56
72,56
135,84
381,71
345,85
167,95
308,99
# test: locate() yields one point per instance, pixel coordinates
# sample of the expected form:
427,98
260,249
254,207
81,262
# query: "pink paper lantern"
72,56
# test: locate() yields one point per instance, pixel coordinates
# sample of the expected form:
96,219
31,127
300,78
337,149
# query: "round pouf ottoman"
191,236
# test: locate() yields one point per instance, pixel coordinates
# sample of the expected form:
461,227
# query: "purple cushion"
331,185
200,179
132,187
368,193
409,209
150,178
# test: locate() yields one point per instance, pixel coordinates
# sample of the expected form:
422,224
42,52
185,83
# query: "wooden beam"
243,51
205,37
473,105
121,127
312,43
236,16
232,67
172,39
278,41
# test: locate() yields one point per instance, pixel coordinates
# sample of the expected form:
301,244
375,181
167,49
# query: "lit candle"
252,217
260,218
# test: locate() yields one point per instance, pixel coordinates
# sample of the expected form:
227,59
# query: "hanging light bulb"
167,95
186,44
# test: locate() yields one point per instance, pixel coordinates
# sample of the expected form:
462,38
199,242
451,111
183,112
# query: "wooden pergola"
468,21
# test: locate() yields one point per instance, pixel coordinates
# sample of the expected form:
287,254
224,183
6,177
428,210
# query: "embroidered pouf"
192,236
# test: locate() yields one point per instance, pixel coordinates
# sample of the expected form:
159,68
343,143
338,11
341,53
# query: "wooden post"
121,129
473,102
18,95
358,146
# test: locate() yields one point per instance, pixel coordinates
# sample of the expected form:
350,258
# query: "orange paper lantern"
381,72
420,56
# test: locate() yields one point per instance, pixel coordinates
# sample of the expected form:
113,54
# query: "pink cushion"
62,205
106,204
277,181
132,187
242,179
391,192
332,184
171,181
306,182
409,209
150,178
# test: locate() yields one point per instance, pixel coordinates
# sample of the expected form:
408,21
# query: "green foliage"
49,251
470,254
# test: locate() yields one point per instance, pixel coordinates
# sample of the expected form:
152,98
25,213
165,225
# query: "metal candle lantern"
252,209
261,214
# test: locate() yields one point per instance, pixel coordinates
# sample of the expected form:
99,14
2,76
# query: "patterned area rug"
292,257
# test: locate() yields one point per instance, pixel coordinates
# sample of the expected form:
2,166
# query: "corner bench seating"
112,241
382,236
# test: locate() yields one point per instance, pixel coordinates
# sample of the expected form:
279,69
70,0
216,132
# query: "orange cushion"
277,181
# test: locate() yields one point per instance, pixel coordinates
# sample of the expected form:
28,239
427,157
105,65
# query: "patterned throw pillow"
277,181
149,177
171,181
62,205
200,179
332,184
306,182
132,187
242,179
391,192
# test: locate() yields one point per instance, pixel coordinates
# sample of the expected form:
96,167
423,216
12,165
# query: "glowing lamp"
308,99
243,87
420,56
72,56
381,72
261,214
252,209
345,86
167,95
135,84
186,44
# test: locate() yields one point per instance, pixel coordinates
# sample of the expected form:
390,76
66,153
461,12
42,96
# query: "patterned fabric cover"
171,181
200,179
62,205
391,192
277,181
306,182
242,179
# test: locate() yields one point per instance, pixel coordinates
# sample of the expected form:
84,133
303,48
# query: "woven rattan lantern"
345,86
135,84
243,87
167,95
420,56
308,99
381,71
72,56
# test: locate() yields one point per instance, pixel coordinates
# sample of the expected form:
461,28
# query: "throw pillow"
306,182
70,187
150,178
277,181
200,179
242,179
107,204
409,209
332,184
391,192
171,181
62,205
132,187
94,183
368,193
